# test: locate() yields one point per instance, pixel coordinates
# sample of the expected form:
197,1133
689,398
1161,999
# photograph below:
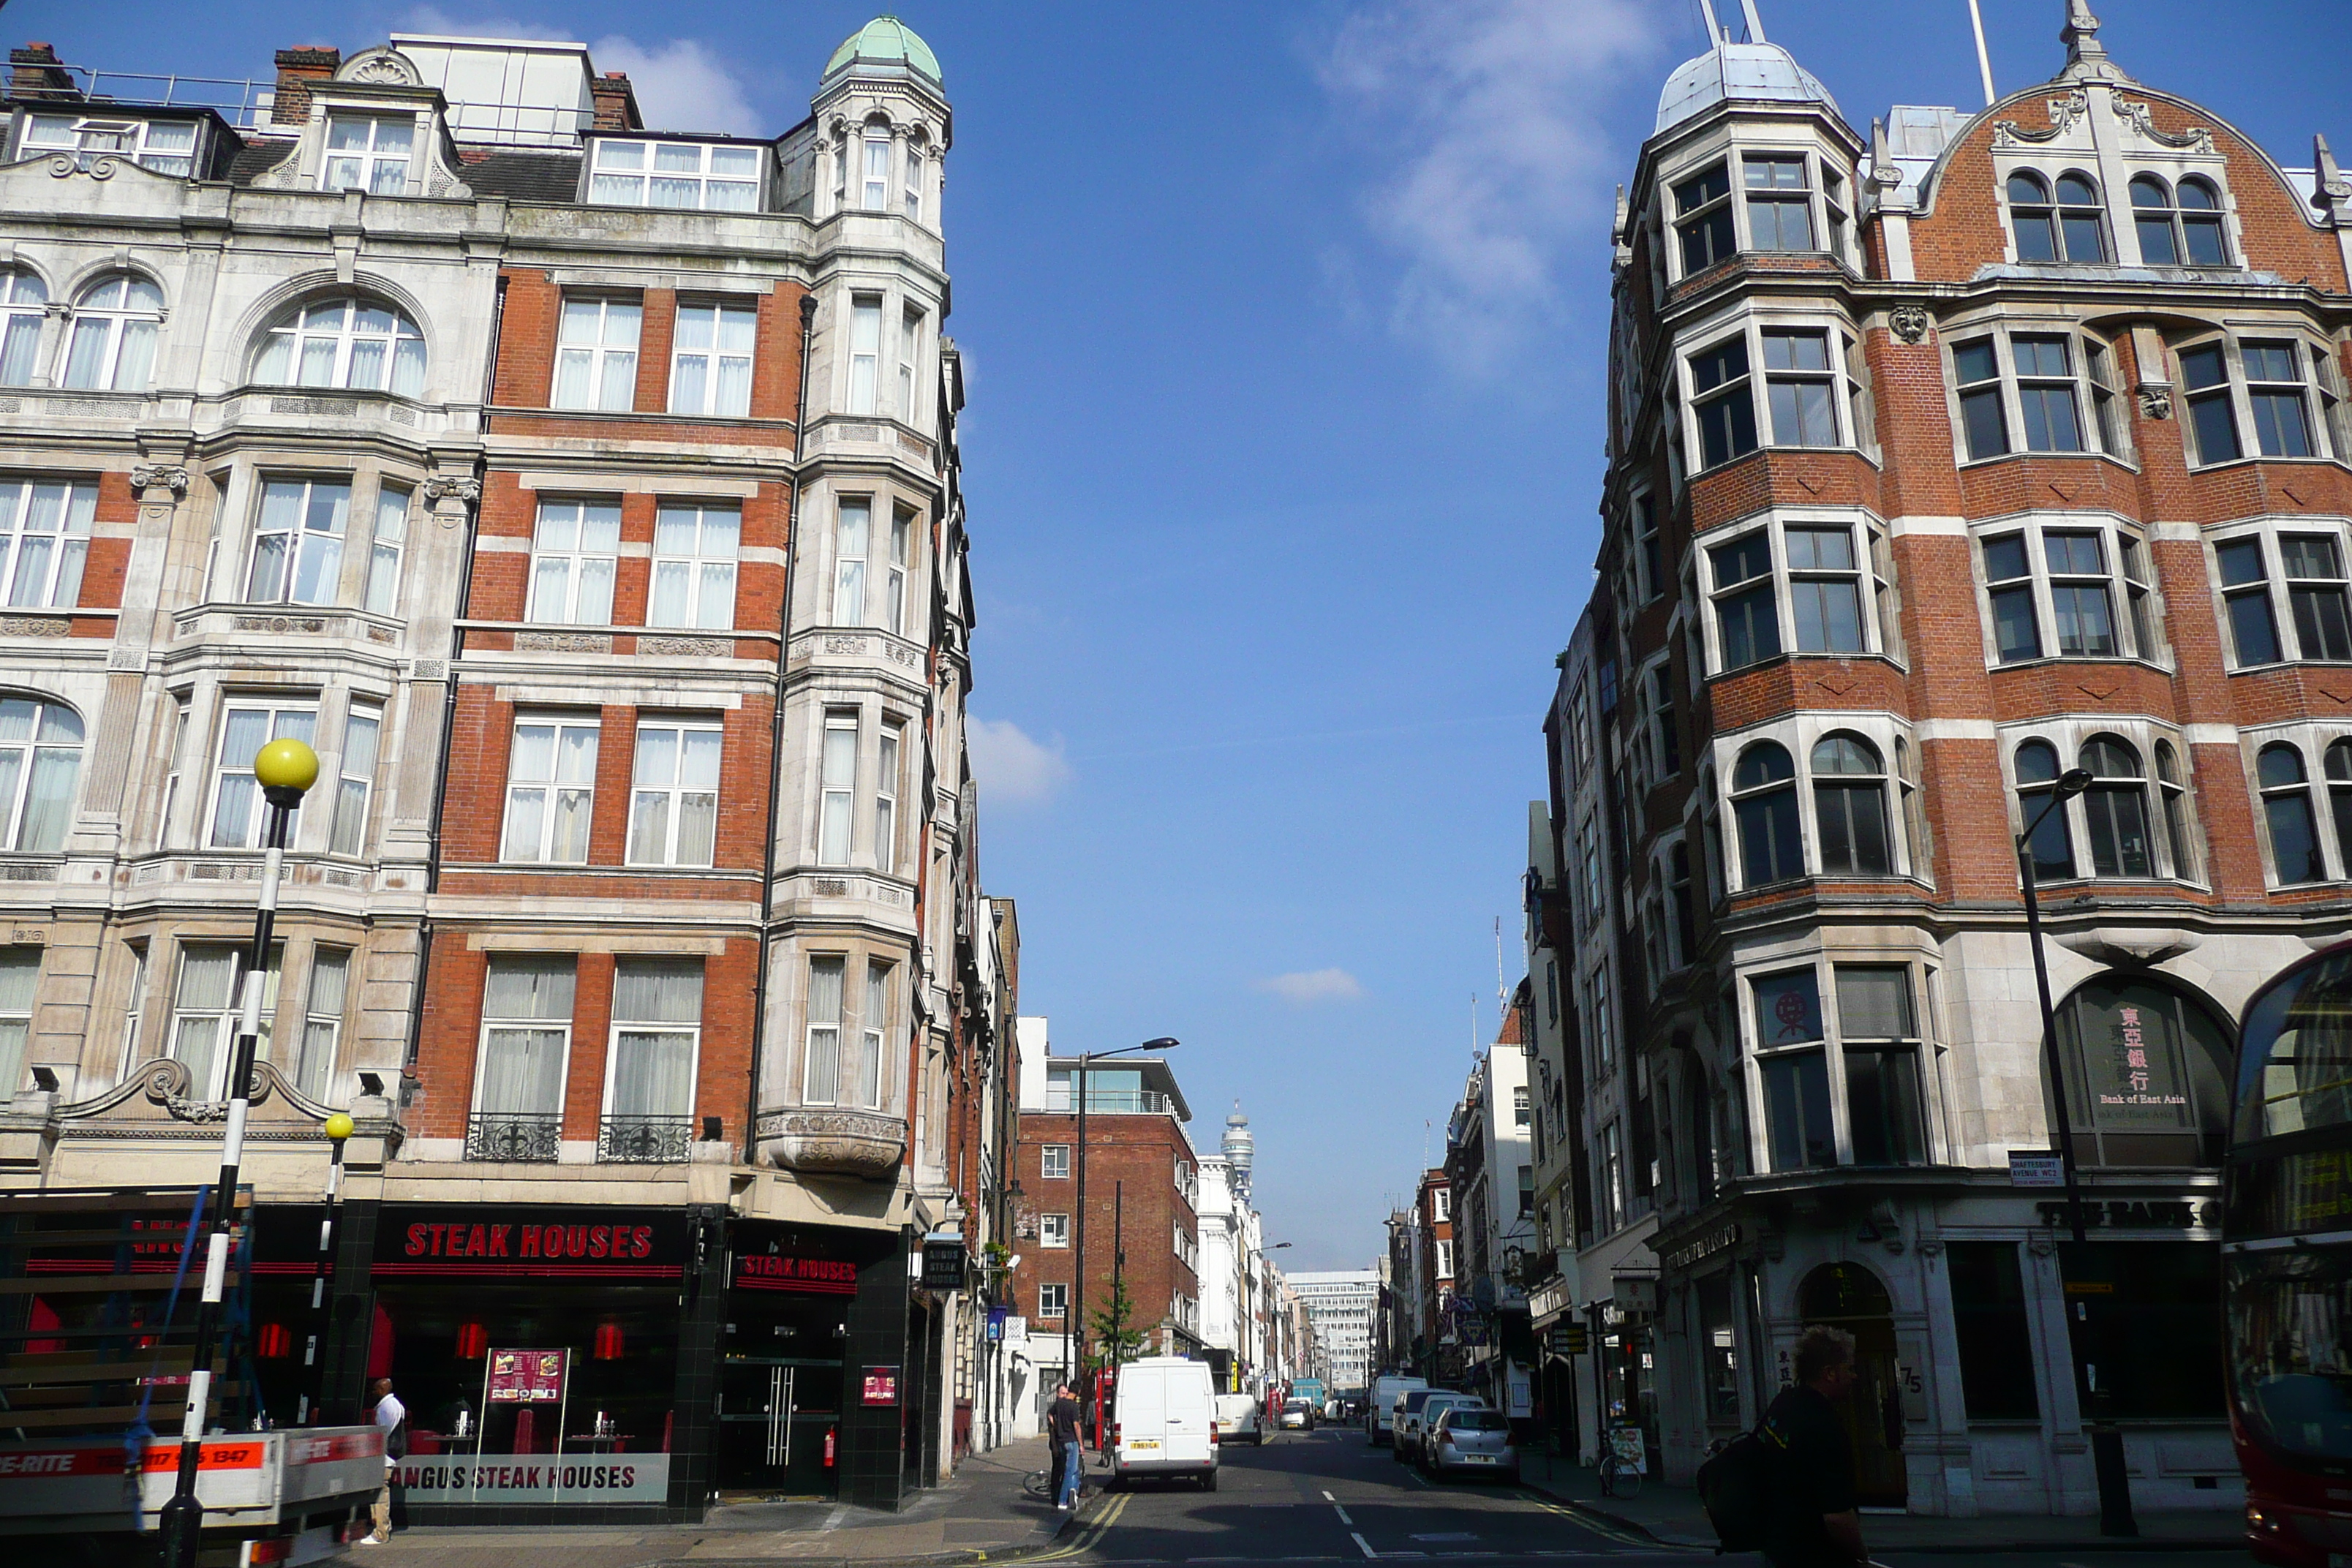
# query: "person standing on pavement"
1815,1523
392,1420
1061,1430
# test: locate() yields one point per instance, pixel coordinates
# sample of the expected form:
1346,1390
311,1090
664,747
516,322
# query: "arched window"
2287,807
356,344
2200,225
22,298
1764,802
40,756
2116,808
2147,1074
2152,215
2032,218
2174,793
2053,842
2339,796
1850,806
2082,221
115,324
2178,229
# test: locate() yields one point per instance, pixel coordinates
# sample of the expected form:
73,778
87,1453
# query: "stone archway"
1850,1297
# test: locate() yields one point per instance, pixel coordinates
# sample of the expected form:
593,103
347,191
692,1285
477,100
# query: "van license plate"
1143,1443
1480,1458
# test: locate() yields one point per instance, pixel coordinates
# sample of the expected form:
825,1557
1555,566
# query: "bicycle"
1620,1477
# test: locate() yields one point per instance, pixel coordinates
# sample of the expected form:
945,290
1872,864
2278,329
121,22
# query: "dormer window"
2179,226
368,153
2069,229
1703,219
688,174
1779,203
166,146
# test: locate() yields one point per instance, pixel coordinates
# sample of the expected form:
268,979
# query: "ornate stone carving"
442,487
2155,400
333,407
2196,138
844,645
35,626
704,647
2063,112
429,669
839,1142
160,476
564,642
381,65
1910,323
280,625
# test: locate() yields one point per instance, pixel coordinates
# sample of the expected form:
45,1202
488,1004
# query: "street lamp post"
2106,1441
314,1352
284,769
1078,1280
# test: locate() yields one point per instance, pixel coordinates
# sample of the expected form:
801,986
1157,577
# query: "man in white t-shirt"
392,1420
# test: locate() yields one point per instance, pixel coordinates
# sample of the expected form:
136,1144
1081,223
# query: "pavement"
1672,1517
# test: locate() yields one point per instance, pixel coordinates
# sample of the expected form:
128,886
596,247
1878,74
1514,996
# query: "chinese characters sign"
2132,1069
526,1377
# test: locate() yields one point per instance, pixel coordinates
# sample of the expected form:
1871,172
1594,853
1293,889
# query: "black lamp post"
1079,1280
284,769
314,1352
2106,1441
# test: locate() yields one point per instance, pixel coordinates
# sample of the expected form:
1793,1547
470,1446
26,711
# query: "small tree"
1116,1341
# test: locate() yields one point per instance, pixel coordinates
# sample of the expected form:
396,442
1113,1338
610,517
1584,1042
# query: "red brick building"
1943,460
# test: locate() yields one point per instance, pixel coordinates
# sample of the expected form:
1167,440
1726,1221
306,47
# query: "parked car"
1166,1422
1379,1408
1414,1430
1471,1439
1298,1416
1401,1419
1239,1420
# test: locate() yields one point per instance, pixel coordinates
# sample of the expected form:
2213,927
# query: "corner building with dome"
587,494
1943,458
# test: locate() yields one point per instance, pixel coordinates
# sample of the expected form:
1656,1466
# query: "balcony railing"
643,1140
1110,1101
525,1136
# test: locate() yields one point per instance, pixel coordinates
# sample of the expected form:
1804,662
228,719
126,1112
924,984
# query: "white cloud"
1013,769
1492,112
682,85
1308,986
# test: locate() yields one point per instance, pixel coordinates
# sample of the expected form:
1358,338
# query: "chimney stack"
616,102
297,69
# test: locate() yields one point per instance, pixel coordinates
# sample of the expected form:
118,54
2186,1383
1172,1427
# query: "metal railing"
1111,1101
525,1136
643,1140
245,104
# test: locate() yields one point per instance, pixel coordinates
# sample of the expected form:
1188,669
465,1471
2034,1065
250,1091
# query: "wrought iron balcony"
526,1136
644,1140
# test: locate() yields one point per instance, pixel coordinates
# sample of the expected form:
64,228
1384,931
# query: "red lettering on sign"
600,1241
416,1248
475,1245
440,1235
531,1241
498,1240
644,1248
575,1241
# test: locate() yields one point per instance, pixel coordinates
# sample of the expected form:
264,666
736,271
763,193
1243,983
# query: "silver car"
1467,1440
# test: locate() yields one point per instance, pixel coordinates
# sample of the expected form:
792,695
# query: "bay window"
837,788
2274,389
1722,404
1779,202
354,344
298,543
886,801
1882,1048
1703,219
386,545
902,535
40,761
2020,390
2285,594
865,351
1799,388
1850,807
207,1009
355,779
1864,1059
1746,616
323,1020
2309,838
2284,390
1764,806
2131,824
245,727
1794,1070
843,1055
20,977
2074,592
1831,576
2287,814
852,538
1807,375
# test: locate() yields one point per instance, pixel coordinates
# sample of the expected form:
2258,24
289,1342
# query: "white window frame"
303,542
2098,417
564,1026
553,789
88,138
23,305
1805,194
733,342
1754,1053
297,720
837,814
2174,820
2134,605
228,1018
1831,221
875,158
622,173
600,336
896,576
1843,378
1798,735
353,331
876,1003
862,356
1052,1300
370,166
313,1067
46,742
916,163
2278,588
2215,177
387,544
890,760
141,306
355,777
51,579
1053,1230
674,793
618,1025
1440,1205
912,319
1048,1156
578,557
708,565
2312,740
853,555
1872,574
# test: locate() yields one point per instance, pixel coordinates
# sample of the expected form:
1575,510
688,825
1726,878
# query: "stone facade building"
588,497
1943,460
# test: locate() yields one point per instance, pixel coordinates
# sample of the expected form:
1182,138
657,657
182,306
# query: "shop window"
657,1036
2147,1076
1988,1318
526,1045
2148,1345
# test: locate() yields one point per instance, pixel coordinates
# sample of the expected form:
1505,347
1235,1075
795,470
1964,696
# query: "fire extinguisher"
828,1446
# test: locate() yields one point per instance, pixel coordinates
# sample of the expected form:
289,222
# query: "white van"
1377,1412
1166,1422
1238,1420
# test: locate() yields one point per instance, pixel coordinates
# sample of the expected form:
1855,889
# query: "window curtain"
825,1031
205,1010
877,1013
522,1066
330,969
20,971
652,1070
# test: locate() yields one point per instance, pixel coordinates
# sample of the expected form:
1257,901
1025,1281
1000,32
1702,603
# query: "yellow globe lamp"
285,766
339,1126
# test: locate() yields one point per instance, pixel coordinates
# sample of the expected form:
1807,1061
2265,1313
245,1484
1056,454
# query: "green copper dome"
887,41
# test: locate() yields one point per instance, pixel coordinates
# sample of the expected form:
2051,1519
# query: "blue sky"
1286,326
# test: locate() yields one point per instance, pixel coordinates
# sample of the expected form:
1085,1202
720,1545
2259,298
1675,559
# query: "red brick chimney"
35,71
616,102
297,69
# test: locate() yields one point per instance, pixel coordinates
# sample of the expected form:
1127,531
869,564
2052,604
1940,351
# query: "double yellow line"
1608,1530
1093,1532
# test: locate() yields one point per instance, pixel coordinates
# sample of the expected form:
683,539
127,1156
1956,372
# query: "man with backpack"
1787,1488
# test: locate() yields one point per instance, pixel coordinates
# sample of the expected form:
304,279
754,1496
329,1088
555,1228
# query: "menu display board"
526,1377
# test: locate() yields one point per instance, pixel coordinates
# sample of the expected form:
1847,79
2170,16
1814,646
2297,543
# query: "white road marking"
835,1520
1328,1497
1366,1547
1447,1535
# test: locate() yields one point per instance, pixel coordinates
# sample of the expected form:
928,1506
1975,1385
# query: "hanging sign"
526,1377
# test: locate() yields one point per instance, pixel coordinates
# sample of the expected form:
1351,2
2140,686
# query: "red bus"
2286,1264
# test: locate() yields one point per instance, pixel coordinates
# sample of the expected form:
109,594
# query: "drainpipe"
776,741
